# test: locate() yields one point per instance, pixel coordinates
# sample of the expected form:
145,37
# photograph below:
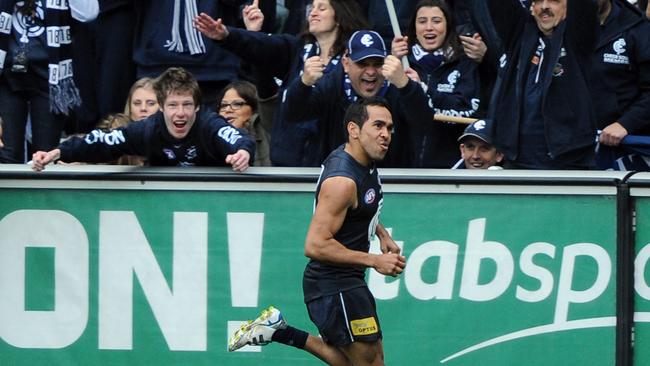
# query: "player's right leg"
258,332
271,326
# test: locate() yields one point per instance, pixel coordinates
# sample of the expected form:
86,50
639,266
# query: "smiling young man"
541,107
348,201
180,134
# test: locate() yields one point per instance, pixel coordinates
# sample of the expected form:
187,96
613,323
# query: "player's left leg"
329,354
365,353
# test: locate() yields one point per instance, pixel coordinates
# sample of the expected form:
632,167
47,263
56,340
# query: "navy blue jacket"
569,120
326,101
621,70
453,89
280,56
154,28
207,144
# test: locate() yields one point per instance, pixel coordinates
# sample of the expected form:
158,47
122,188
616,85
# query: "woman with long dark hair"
238,104
449,76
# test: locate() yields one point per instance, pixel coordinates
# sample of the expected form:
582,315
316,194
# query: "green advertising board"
161,275
642,280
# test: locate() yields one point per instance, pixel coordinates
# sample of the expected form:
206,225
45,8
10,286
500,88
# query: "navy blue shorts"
346,317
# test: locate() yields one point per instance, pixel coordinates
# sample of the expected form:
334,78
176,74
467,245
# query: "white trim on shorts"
345,314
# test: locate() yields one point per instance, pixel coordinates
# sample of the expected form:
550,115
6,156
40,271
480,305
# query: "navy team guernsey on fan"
322,279
208,142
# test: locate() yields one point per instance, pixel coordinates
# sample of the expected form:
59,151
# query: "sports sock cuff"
291,337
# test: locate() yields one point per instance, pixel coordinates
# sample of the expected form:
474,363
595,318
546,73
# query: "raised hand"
399,46
253,16
213,29
474,47
312,71
393,71
413,75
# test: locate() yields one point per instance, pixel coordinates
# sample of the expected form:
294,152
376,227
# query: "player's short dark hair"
176,80
358,112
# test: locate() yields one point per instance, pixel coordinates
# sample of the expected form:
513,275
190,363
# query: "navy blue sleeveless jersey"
322,279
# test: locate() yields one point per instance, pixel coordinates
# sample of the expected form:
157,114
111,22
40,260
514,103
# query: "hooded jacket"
621,70
567,111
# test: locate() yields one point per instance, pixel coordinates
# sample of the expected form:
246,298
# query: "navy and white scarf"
64,95
428,61
313,49
352,96
193,39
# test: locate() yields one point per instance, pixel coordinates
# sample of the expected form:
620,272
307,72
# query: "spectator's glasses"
235,106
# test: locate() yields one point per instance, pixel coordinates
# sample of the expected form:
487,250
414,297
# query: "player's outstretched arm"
337,195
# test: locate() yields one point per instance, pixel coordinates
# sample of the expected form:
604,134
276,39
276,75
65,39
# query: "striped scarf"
192,36
64,95
313,49
429,61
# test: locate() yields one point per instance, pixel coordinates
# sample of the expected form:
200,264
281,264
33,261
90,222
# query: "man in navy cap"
476,149
365,71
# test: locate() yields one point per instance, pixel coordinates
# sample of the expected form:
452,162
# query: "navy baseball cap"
481,129
364,44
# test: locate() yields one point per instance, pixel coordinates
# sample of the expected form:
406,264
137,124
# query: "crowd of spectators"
551,82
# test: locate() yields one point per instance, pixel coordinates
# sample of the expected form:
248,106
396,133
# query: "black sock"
291,337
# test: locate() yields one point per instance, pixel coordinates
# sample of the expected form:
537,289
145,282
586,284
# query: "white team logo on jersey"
503,61
370,196
452,79
27,26
619,46
618,58
191,153
475,103
170,154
